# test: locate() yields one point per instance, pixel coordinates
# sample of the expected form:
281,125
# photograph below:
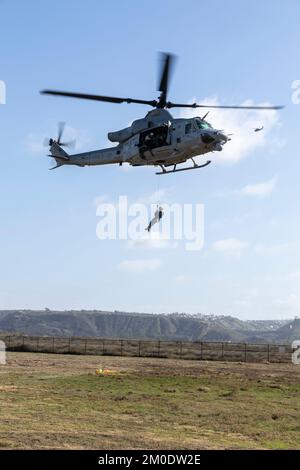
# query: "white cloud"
241,124
80,136
35,143
125,167
262,189
276,248
230,246
152,240
140,265
292,276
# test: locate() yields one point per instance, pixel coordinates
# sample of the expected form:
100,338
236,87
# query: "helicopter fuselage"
160,140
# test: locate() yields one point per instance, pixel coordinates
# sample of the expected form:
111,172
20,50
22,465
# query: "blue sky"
228,52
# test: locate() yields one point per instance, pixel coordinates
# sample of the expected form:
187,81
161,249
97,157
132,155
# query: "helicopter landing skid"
175,170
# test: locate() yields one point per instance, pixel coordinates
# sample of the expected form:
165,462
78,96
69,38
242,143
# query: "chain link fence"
199,350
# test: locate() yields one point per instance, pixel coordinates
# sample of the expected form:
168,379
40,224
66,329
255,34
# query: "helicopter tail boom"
57,151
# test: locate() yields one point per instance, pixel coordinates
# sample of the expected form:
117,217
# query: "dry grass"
57,401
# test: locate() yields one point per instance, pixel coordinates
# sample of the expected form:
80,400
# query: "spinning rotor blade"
165,72
166,69
195,105
70,144
167,62
61,127
108,99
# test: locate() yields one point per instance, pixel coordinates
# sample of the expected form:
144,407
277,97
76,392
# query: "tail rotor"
57,152
58,141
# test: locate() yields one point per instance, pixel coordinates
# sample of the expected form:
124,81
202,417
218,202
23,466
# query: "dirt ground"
57,401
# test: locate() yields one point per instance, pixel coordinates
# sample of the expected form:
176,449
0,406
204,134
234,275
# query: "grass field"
57,401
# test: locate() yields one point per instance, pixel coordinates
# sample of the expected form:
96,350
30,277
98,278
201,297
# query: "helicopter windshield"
203,124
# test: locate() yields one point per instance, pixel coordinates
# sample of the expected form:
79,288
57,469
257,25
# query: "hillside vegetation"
147,326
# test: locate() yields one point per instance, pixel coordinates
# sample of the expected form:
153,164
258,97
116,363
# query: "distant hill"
290,331
149,326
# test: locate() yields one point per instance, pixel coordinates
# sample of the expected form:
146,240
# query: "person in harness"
157,216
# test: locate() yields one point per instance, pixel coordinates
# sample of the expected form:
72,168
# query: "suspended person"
157,216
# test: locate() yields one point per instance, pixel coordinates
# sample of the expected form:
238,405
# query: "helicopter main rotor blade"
165,72
195,105
108,99
167,60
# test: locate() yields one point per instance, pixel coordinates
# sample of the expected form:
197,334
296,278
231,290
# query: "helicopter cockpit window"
188,128
203,124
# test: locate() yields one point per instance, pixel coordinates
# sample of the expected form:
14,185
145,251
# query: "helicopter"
158,139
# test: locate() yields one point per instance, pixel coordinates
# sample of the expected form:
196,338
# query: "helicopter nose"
221,136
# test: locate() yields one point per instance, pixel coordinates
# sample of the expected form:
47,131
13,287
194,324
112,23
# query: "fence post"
85,346
180,350
37,343
158,349
268,352
69,344
53,340
103,346
222,351
121,345
139,349
201,350
245,352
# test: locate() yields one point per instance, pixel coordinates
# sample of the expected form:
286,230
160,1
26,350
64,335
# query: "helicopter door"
154,138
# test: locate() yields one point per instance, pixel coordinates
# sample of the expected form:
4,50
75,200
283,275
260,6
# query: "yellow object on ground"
105,371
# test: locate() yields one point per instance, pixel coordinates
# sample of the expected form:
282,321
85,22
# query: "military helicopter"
158,139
